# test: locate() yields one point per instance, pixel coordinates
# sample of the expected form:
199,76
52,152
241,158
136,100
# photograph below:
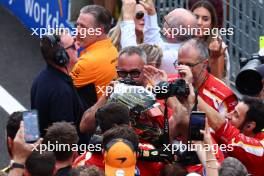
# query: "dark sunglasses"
72,46
139,15
132,73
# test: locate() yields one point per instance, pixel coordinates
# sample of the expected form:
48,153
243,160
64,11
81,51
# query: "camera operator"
241,129
194,53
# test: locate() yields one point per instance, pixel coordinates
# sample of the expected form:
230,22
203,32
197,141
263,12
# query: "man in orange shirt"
96,66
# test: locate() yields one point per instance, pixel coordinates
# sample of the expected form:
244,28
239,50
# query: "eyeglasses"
132,73
72,46
139,15
187,64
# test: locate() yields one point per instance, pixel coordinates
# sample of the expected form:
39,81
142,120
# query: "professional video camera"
177,88
249,79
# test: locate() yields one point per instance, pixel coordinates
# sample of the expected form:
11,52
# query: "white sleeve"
152,31
128,34
227,66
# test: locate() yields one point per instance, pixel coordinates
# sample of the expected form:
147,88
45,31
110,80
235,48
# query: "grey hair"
200,46
102,16
130,50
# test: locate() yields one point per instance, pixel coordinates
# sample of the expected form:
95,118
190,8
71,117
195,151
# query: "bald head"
181,18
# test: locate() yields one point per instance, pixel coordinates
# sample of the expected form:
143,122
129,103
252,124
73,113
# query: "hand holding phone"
197,123
31,126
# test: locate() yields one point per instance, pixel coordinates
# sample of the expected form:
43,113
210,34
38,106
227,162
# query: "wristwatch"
15,165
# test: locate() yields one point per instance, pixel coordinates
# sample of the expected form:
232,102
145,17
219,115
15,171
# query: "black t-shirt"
56,99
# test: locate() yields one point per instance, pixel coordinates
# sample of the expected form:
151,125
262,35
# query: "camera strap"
195,108
165,135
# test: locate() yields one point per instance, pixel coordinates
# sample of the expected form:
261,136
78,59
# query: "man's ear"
10,142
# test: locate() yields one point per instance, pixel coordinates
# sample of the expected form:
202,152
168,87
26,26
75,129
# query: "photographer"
179,109
241,129
180,119
194,53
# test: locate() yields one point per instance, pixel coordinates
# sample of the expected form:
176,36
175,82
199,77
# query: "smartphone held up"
197,123
31,126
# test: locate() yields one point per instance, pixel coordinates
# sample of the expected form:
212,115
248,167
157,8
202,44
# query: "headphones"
60,56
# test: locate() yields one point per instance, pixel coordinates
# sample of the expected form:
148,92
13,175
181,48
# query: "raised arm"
88,122
151,29
127,25
215,120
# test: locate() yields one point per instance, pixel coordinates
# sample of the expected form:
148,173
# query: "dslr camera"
249,79
178,88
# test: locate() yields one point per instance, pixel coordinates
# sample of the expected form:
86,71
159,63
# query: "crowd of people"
74,94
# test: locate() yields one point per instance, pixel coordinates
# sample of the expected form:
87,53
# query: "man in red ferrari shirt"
242,130
194,53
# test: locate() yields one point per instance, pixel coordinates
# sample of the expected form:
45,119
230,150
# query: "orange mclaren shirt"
96,65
